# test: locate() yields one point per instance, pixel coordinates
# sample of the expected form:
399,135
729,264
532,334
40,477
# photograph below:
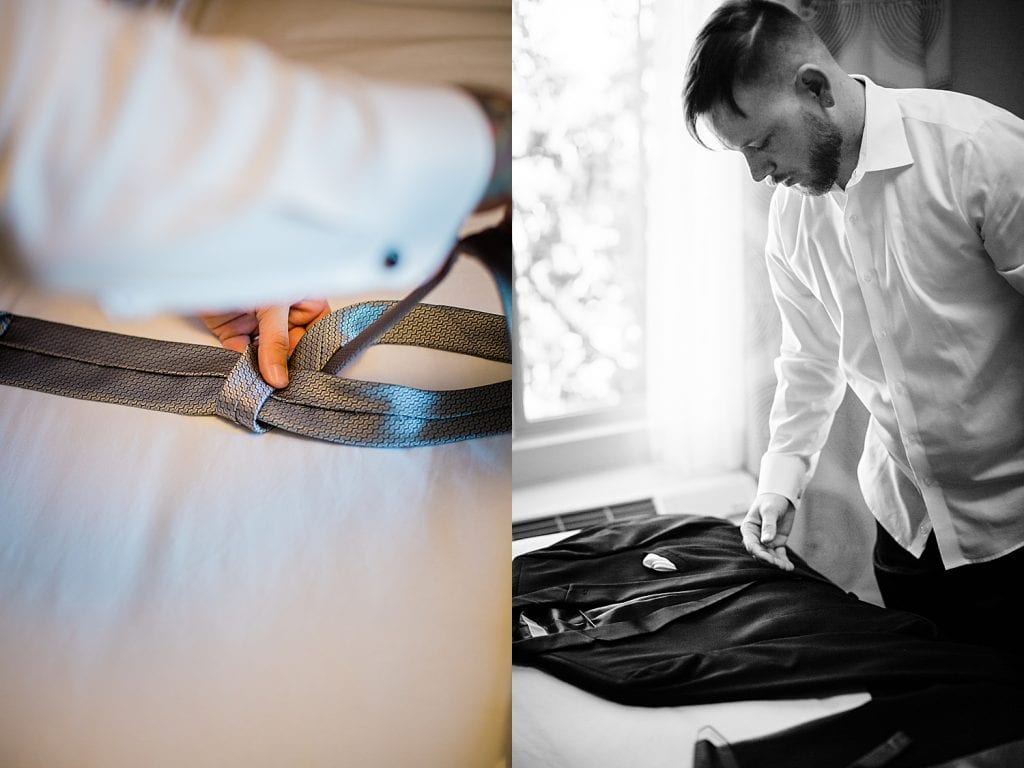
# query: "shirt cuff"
440,154
783,474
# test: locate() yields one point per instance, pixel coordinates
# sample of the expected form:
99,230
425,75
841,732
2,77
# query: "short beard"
823,162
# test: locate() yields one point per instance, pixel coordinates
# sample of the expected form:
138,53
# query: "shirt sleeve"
159,170
809,386
994,193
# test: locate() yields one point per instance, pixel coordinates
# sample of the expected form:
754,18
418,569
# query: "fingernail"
279,375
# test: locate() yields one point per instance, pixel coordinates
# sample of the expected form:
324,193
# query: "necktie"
200,380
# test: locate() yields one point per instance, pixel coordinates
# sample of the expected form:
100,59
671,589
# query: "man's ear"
812,82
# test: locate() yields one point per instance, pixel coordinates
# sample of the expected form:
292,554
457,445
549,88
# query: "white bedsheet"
176,591
556,725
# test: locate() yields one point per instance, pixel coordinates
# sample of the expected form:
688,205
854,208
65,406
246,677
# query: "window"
628,243
579,167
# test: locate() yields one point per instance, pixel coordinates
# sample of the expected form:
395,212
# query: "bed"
178,591
660,642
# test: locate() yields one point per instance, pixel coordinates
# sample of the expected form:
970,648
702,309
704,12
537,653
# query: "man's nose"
759,166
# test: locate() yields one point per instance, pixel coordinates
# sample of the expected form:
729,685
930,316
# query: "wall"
987,56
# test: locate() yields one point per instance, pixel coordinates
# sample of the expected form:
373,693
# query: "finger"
213,319
228,326
325,310
768,526
750,530
273,345
751,533
294,334
776,557
237,343
782,559
765,555
307,312
302,315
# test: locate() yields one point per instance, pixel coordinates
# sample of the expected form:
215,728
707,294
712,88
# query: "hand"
276,329
497,106
766,528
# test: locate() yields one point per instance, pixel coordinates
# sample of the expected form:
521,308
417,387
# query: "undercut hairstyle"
743,41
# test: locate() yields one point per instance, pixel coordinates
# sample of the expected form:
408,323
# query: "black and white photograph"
768,454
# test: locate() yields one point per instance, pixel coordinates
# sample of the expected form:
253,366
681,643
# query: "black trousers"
980,603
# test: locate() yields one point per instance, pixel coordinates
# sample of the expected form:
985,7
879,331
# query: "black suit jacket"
722,627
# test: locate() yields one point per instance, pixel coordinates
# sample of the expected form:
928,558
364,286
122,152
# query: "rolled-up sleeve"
158,170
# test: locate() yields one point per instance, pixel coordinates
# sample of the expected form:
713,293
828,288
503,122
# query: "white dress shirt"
907,287
161,171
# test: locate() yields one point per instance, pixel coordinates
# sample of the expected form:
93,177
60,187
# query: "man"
158,170
896,257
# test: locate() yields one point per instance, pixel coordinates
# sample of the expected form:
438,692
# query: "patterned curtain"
899,44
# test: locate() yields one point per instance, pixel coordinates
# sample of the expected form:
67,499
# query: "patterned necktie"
200,380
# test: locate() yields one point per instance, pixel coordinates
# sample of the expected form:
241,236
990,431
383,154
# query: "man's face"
784,140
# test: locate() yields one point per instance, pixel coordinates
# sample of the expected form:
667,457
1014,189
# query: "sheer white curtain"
695,267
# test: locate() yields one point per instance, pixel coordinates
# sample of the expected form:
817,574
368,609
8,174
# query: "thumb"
273,345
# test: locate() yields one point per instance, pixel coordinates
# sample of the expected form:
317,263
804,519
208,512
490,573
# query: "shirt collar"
883,144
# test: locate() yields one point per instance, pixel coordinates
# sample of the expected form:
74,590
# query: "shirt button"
854,218
929,481
899,389
866,277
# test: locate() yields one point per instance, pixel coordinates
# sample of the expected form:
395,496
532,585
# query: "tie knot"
244,393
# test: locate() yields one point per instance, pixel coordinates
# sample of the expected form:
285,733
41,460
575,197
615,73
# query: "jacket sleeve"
159,170
809,386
